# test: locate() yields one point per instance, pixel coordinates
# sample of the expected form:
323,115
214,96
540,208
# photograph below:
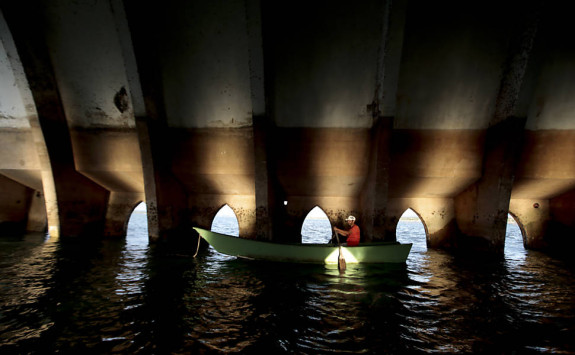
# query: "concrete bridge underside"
463,112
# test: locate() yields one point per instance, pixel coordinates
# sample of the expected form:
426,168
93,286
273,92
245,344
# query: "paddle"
341,260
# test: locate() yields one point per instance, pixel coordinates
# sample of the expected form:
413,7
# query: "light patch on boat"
334,256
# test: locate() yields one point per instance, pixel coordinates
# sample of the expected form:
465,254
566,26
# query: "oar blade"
341,261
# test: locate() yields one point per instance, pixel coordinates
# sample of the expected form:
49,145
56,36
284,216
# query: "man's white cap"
350,218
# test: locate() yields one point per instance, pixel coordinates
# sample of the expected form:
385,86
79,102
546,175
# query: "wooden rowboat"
382,252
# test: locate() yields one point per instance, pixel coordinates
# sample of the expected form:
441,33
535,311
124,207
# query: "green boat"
381,252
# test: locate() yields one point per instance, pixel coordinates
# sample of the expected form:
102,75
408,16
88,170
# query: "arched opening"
137,232
514,237
410,229
316,228
226,222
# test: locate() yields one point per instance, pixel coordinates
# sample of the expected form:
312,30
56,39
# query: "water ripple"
123,296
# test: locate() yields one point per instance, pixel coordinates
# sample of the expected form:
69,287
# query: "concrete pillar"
48,183
150,189
374,197
46,178
532,217
264,184
166,199
481,210
264,179
81,203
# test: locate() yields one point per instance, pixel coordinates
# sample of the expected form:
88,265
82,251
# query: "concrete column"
481,210
166,199
149,180
81,203
375,192
50,209
264,185
48,183
374,198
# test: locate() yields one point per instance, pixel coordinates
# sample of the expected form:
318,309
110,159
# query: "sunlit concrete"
436,214
532,217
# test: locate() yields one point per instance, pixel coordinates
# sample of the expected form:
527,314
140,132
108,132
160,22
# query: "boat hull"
386,252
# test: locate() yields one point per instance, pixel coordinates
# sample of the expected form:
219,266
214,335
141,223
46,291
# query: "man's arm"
341,231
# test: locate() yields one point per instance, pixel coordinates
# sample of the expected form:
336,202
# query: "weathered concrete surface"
80,203
19,157
435,163
215,167
120,208
481,210
109,157
546,167
436,214
364,108
37,216
374,197
532,216
14,206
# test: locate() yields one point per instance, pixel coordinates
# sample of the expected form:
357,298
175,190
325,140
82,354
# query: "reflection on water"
123,296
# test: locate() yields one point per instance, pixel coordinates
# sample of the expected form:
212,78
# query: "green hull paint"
386,252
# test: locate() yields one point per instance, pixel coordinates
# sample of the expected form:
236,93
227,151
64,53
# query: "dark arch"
412,229
226,222
316,227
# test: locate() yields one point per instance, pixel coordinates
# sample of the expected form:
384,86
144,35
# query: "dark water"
126,297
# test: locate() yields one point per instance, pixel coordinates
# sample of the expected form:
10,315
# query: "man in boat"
352,234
